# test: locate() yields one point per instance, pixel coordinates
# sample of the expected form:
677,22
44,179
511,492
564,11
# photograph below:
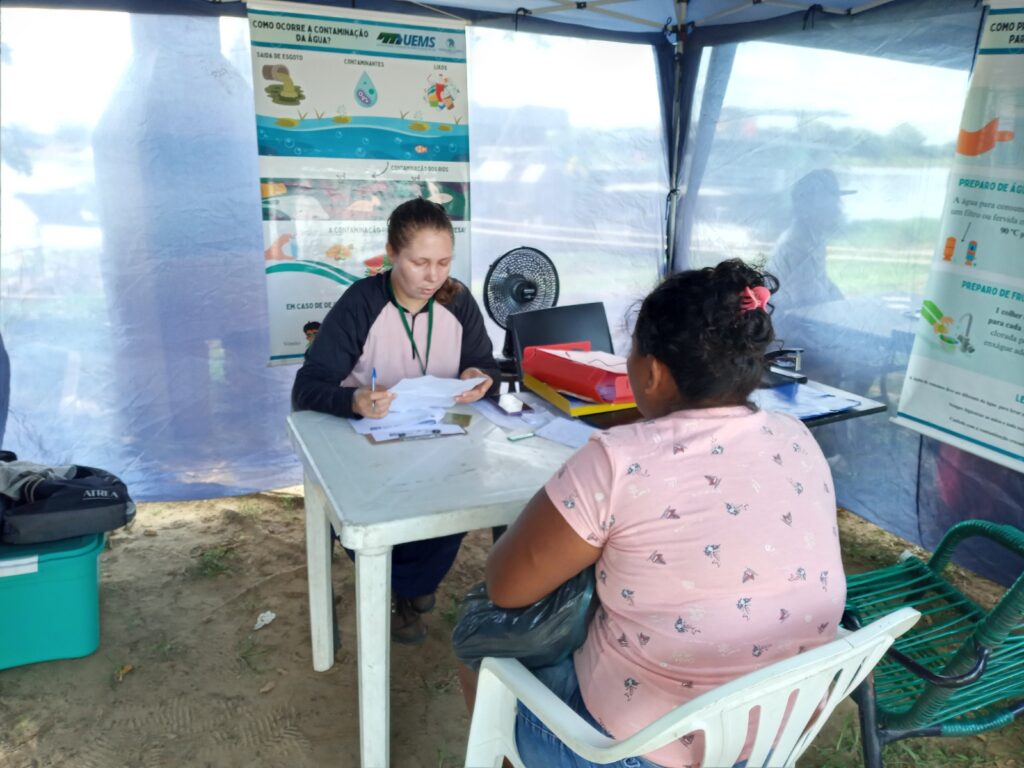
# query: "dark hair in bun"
694,323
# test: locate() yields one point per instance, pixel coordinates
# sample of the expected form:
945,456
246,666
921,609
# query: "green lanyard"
423,361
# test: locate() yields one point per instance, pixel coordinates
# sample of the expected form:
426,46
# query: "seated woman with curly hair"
712,526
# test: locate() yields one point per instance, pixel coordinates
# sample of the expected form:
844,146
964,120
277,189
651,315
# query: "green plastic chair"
960,670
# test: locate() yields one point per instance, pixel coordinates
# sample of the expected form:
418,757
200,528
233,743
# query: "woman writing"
409,321
712,525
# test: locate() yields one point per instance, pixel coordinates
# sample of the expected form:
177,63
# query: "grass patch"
291,503
450,614
166,649
446,758
859,278
249,508
890,234
215,561
23,729
442,683
251,654
840,747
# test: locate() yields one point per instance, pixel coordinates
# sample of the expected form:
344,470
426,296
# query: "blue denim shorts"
539,747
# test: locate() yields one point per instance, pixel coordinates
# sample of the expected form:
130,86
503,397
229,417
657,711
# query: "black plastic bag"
538,635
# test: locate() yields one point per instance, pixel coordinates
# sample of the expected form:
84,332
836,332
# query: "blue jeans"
539,747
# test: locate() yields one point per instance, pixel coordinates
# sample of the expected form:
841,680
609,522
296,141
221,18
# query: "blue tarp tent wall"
144,352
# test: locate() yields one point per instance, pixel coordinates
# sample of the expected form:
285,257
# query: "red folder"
591,381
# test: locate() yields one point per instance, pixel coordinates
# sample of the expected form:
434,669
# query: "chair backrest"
558,325
811,684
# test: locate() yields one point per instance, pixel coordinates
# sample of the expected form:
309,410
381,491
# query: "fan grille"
522,280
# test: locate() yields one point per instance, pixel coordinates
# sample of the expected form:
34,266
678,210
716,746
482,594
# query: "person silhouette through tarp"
799,257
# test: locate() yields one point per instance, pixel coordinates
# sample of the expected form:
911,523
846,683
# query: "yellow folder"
573,406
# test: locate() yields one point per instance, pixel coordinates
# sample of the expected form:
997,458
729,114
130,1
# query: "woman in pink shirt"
712,525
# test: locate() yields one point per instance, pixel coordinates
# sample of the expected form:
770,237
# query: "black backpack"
47,507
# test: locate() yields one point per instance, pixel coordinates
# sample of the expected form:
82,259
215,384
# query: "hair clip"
754,298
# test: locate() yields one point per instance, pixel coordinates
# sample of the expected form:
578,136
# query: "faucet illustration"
965,337
973,143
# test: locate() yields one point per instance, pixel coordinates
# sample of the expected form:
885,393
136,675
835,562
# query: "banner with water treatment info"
965,378
356,112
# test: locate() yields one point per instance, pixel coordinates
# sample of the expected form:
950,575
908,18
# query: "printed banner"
356,112
965,379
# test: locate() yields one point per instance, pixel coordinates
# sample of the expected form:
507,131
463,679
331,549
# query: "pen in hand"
373,388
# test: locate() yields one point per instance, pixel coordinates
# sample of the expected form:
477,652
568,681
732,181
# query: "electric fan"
522,280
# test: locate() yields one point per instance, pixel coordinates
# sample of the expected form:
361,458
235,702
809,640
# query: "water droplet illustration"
366,91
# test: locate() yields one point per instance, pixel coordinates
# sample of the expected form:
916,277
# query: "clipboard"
430,433
452,425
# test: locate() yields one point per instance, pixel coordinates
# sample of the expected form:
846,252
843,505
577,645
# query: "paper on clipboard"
800,401
399,421
426,433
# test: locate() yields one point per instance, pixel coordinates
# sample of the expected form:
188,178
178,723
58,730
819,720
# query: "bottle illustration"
972,253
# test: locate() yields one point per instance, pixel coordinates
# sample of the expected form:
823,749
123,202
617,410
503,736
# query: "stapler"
783,367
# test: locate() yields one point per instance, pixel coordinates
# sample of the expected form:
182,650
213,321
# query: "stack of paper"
417,410
801,401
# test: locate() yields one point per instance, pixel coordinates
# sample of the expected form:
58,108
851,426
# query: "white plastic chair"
821,677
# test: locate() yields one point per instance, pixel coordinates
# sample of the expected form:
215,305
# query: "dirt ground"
182,678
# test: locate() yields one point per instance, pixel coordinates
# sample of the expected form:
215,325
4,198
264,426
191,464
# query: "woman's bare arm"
538,553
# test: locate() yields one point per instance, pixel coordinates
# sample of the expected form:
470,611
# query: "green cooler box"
49,600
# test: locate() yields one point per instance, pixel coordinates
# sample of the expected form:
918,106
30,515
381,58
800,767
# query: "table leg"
373,628
318,571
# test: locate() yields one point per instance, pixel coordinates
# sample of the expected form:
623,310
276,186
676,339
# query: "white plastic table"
378,496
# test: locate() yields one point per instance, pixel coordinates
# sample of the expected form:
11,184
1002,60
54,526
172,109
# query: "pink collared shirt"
720,554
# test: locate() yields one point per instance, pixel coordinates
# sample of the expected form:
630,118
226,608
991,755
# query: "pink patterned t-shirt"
720,554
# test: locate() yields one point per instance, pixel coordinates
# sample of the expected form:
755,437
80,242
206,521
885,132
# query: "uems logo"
99,494
409,41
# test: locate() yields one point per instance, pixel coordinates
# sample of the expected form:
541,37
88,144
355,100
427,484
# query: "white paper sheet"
571,432
603,360
399,421
429,392
800,401
495,415
538,417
